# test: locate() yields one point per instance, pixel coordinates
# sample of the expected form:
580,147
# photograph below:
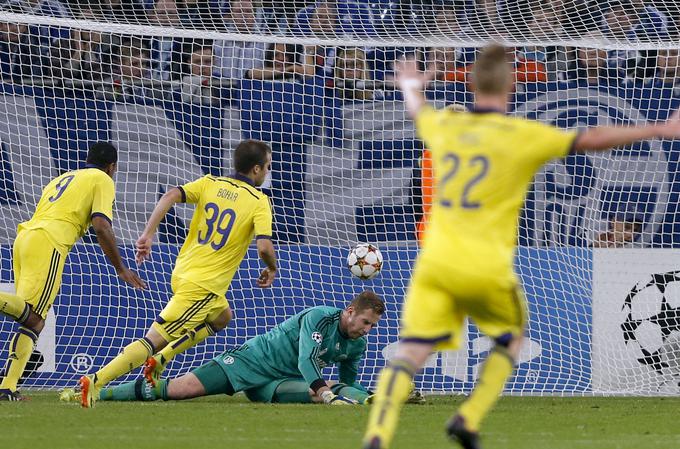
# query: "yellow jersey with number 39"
229,212
484,162
69,202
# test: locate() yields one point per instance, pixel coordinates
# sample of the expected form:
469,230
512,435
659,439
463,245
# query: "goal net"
175,85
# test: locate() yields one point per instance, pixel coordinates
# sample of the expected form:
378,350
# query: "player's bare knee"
157,340
510,343
221,321
415,353
35,322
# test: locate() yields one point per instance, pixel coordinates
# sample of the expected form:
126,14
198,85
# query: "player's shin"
20,348
133,355
190,339
496,371
137,390
393,389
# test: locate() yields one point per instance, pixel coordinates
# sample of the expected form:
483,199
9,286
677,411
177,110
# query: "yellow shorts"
189,306
38,267
438,301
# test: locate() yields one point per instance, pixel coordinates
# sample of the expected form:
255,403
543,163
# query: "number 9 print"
60,187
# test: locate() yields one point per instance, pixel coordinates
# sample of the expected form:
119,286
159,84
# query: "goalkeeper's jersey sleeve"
302,346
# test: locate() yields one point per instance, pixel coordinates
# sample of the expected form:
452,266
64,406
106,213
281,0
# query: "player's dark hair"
491,72
102,154
368,300
250,153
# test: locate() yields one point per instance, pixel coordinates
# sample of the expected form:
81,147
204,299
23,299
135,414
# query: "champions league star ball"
365,261
651,329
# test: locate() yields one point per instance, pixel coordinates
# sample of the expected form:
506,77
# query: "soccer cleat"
458,433
415,397
69,395
88,393
374,443
152,371
8,395
342,400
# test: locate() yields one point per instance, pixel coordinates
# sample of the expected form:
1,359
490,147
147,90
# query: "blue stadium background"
97,316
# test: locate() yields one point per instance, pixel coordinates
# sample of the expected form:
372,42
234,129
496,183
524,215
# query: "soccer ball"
651,329
365,261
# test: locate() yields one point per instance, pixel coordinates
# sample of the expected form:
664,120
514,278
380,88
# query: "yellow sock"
14,307
394,386
133,355
20,349
497,368
191,338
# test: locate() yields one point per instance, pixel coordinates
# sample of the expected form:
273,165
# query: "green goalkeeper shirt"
301,346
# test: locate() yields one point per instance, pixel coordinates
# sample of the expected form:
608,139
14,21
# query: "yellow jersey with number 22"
484,162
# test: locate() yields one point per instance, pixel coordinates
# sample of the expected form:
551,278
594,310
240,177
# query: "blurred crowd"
126,63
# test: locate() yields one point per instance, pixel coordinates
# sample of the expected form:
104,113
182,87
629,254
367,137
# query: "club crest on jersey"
337,346
228,360
317,337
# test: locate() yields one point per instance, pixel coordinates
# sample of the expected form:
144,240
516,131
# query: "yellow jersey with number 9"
484,162
69,202
229,212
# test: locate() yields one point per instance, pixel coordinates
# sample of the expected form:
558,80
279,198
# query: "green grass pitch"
223,422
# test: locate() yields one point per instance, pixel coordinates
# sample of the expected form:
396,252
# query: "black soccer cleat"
373,444
8,395
458,433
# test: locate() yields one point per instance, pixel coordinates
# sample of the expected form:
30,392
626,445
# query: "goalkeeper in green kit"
281,366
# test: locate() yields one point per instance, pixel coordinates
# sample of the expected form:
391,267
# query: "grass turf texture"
220,421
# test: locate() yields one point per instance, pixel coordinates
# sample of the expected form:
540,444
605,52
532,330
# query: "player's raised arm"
107,241
411,81
607,137
165,203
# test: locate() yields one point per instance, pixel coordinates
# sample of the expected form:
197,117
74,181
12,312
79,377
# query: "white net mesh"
176,84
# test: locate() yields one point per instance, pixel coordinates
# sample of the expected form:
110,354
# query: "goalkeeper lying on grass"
283,365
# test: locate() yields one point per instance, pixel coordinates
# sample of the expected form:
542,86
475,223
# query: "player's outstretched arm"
606,137
265,249
145,241
411,81
107,241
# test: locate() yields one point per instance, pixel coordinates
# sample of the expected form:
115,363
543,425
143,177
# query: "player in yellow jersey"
67,206
229,212
484,162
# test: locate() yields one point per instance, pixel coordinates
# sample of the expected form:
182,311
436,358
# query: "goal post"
176,89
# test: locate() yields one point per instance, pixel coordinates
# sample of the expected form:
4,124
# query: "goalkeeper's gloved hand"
331,398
